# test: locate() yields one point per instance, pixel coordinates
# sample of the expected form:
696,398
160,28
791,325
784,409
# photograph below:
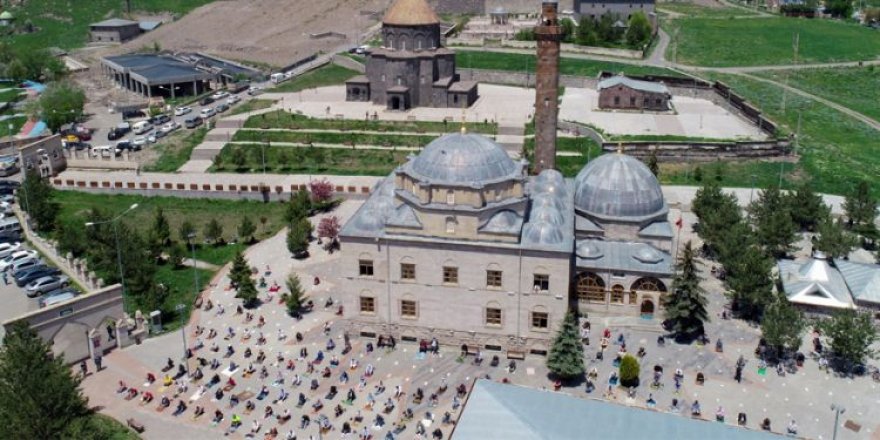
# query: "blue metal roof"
510,412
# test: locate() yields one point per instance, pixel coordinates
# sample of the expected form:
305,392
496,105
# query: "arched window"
450,225
450,197
648,284
617,294
590,288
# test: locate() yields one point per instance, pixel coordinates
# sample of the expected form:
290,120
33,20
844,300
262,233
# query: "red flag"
679,223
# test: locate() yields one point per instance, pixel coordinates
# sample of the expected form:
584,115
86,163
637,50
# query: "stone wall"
702,151
521,79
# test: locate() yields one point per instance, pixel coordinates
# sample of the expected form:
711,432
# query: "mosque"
462,244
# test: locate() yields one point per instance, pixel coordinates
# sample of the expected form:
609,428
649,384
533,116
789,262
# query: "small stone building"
114,30
412,68
619,9
622,93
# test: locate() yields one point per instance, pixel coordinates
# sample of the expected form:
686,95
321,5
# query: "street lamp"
181,308
838,410
118,249
752,191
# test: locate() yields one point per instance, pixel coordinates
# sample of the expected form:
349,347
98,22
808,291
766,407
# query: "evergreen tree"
298,237
783,326
861,210
299,206
749,282
686,306
566,357
771,218
161,229
807,207
833,239
36,198
247,292
851,333
186,230
293,300
629,371
653,165
239,270
246,230
39,396
176,254
605,29
214,231
638,30
717,213
585,34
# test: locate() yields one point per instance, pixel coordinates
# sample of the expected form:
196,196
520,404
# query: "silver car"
46,284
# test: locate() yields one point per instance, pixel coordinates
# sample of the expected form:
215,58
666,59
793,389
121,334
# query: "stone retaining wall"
702,151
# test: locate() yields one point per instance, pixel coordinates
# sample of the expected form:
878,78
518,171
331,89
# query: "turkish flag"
679,223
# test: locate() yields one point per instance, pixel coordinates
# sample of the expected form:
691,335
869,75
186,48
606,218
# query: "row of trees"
601,31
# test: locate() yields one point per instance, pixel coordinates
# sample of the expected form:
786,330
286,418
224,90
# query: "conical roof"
410,13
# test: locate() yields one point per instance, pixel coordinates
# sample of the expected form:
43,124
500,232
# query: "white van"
277,77
142,127
104,151
207,112
10,226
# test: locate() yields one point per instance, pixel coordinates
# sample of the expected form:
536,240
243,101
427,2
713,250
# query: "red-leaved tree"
328,227
321,190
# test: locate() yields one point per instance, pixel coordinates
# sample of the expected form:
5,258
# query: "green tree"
61,103
771,216
861,210
36,197
161,229
298,237
176,254
718,213
187,231
214,232
247,292
39,396
807,208
685,308
240,271
605,29
585,34
238,158
566,357
851,334
652,164
833,239
638,31
839,8
299,206
629,371
246,230
293,299
749,282
783,326
567,26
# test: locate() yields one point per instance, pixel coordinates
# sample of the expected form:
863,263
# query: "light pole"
263,149
180,308
191,239
838,410
752,191
118,249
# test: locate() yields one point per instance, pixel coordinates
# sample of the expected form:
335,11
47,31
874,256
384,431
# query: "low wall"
566,47
702,151
349,63
522,79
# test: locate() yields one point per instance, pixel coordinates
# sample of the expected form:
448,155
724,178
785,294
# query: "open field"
174,152
342,139
249,106
703,10
326,75
310,160
857,88
569,166
292,121
567,66
713,43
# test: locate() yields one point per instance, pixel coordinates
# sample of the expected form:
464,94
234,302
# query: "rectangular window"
493,278
368,304
407,271
450,275
408,308
493,316
540,320
365,268
541,283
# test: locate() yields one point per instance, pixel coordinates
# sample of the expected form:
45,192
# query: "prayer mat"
245,395
762,371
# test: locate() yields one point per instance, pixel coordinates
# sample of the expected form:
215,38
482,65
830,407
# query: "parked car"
46,284
133,114
8,248
124,145
180,111
142,127
158,134
221,108
220,94
10,183
79,146
115,133
139,142
15,257
232,100
160,119
25,264
193,122
207,100
26,276
255,90
169,127
207,112
105,151
57,297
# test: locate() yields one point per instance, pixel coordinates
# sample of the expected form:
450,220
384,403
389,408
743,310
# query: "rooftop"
463,159
618,187
645,86
156,69
410,13
114,22
814,282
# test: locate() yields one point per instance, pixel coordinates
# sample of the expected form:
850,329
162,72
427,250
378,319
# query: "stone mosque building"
461,244
412,68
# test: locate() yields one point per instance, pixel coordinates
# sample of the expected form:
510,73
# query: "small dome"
410,13
552,176
547,214
618,186
551,188
502,221
464,159
589,250
547,200
542,233
647,254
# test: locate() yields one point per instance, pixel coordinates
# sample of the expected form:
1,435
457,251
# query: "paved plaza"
805,396
693,117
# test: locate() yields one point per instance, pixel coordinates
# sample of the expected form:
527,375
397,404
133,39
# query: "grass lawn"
857,88
17,122
312,160
109,428
249,106
176,150
695,10
292,121
10,95
769,41
327,75
569,166
220,254
400,140
567,66
181,290
65,23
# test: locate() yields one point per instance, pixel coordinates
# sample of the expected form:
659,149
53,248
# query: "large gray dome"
465,159
618,186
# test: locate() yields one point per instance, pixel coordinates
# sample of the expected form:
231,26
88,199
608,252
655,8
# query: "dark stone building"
619,9
620,92
114,30
548,34
412,68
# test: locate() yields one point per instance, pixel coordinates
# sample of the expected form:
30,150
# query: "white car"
16,257
170,126
255,90
139,142
220,95
180,111
46,284
8,248
207,112
232,100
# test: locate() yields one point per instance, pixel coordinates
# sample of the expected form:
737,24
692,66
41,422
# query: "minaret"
549,35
